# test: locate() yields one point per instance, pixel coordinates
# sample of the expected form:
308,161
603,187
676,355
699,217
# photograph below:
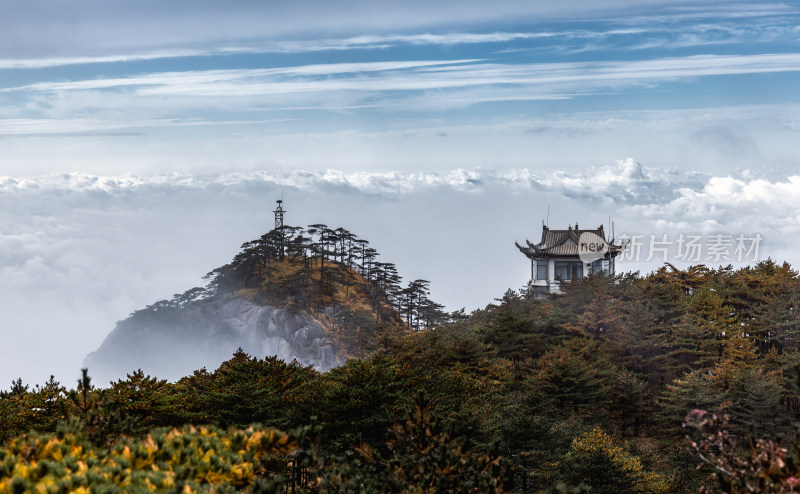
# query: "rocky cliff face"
170,341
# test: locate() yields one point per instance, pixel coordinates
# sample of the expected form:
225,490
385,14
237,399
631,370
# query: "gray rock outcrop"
169,342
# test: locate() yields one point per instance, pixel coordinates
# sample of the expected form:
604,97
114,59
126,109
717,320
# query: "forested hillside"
321,268
317,295
595,390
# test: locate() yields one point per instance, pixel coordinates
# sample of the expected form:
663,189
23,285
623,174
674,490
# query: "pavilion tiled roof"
562,242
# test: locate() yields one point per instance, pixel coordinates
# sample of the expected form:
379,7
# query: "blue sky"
112,76
142,142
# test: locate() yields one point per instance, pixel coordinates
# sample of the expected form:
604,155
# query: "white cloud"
744,203
40,63
644,36
387,83
96,126
39,29
207,77
80,251
625,182
90,34
711,140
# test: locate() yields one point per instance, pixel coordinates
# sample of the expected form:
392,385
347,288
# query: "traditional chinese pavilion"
564,255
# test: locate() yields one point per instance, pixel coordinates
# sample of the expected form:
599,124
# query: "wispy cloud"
672,27
209,77
728,10
684,14
45,62
386,83
390,40
93,126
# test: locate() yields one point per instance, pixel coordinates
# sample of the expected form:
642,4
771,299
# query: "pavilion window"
568,270
541,270
601,266
577,269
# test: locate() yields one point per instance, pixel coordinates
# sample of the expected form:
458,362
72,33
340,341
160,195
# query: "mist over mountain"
170,340
317,296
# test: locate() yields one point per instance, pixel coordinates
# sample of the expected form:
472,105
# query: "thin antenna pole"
279,211
547,224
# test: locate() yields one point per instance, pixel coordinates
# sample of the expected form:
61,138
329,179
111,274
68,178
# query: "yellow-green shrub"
607,467
191,459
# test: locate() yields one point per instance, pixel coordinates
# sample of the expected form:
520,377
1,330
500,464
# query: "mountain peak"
318,296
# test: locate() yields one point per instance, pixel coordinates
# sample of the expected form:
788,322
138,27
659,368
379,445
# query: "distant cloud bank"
672,197
627,181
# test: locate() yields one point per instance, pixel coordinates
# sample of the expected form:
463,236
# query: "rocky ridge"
170,341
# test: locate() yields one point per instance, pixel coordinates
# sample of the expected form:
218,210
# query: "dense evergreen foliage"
328,274
589,391
322,267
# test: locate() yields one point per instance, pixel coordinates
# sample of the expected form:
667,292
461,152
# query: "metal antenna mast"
279,214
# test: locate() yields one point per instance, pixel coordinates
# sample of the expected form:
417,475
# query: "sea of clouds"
79,252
